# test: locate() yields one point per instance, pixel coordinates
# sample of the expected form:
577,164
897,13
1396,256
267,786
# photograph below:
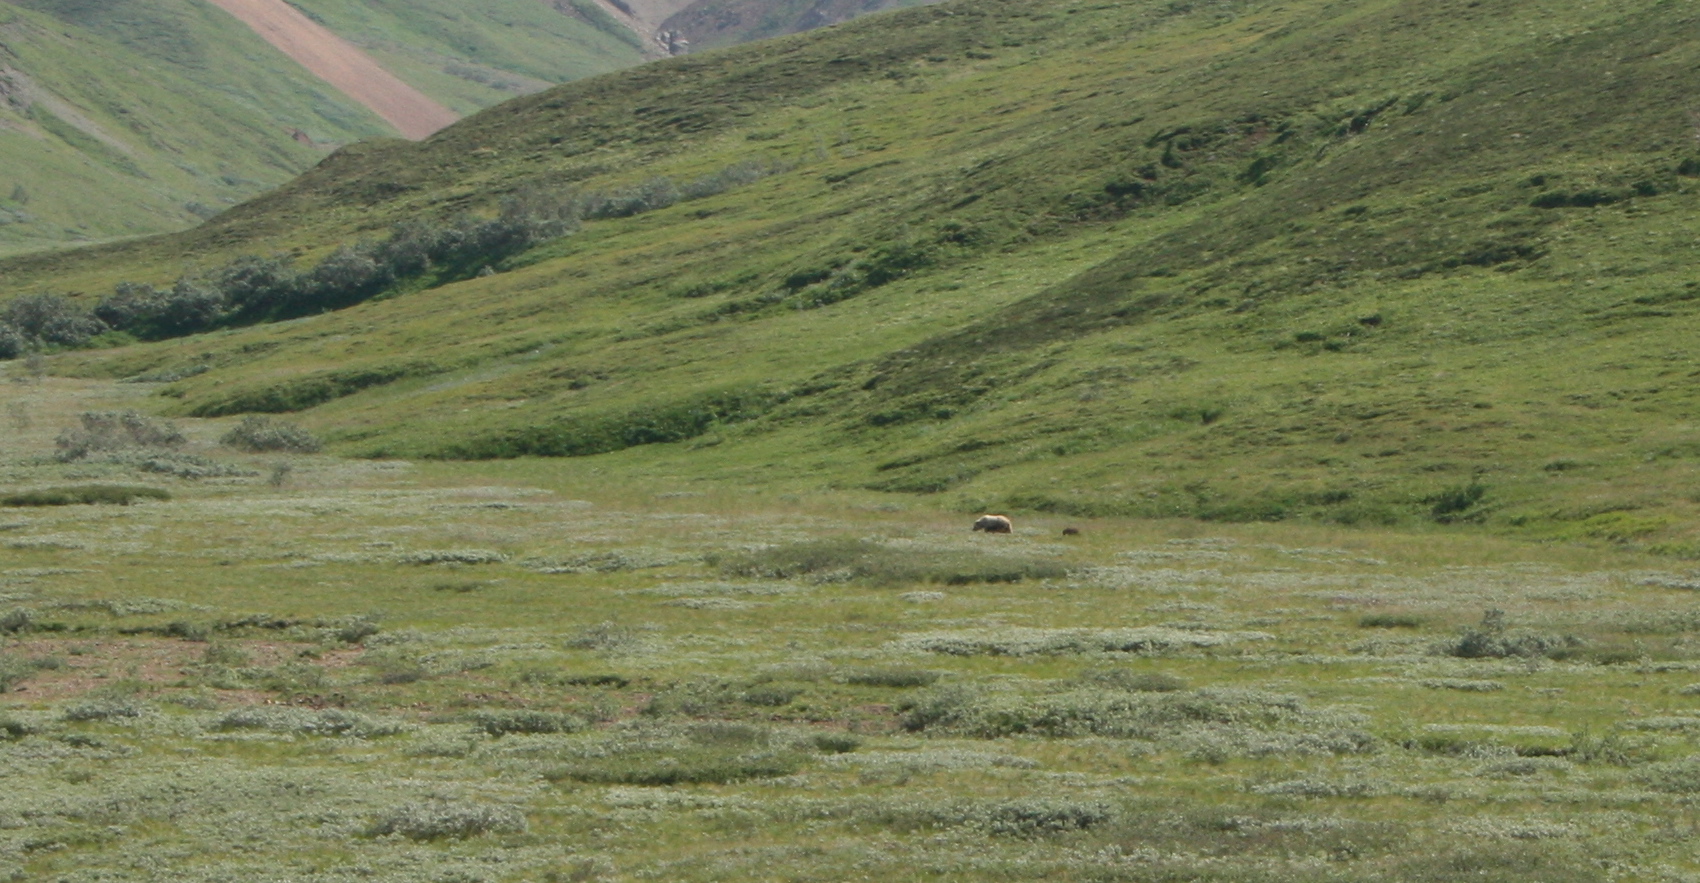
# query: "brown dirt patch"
342,64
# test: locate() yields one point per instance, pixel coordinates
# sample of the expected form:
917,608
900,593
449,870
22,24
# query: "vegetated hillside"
709,24
1230,260
141,116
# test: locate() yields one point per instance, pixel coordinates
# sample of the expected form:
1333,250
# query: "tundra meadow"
585,492
300,667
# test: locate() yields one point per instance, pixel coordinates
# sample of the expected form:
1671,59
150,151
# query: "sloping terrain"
139,116
1236,260
709,24
342,64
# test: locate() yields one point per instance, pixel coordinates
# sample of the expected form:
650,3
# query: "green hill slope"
143,116
1230,260
710,24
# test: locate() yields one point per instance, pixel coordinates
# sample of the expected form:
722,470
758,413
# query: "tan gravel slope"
342,64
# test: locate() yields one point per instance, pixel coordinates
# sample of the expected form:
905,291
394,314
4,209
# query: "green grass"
581,685
1015,282
1301,381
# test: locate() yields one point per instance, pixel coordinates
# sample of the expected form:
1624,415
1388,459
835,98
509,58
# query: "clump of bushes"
1245,721
1454,504
501,723
1494,639
861,560
700,765
16,620
438,819
261,434
899,678
12,729
255,288
85,495
1390,621
107,431
328,722
45,319
1130,681
1026,817
104,710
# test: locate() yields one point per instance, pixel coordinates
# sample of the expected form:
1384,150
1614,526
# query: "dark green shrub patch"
264,434
900,678
503,722
45,320
82,495
692,766
1494,639
255,288
656,424
861,560
1390,621
440,819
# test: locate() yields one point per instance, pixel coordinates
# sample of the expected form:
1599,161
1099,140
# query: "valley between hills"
583,492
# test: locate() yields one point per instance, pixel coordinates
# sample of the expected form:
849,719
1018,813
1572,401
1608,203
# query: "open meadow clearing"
523,670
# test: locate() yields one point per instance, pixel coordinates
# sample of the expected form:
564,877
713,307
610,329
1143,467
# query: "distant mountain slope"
708,24
341,64
134,116
1364,261
149,118
227,117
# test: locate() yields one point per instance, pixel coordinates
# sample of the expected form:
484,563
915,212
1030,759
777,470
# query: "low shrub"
104,710
1493,639
178,465
225,655
1452,504
188,306
254,288
899,678
85,495
18,619
769,696
355,629
835,743
1018,641
659,423
326,722
439,819
1132,681
1390,621
692,766
1243,721
51,319
13,343
261,434
104,431
865,561
1024,817
12,729
503,722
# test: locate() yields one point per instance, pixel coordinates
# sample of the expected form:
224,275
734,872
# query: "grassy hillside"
472,56
148,118
710,24
1235,260
143,116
